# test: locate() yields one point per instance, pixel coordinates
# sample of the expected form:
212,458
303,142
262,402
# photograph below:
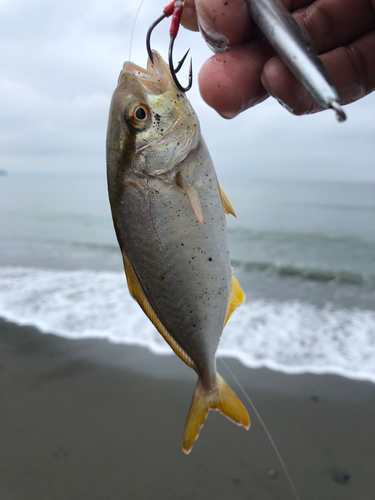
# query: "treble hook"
179,65
174,9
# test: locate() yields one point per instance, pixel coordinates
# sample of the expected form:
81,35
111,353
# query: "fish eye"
137,116
140,113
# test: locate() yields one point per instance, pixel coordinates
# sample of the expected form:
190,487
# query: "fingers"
251,71
229,18
331,24
189,16
247,72
351,68
230,82
223,18
224,23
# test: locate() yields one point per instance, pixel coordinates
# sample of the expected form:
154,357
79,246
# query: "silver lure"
293,47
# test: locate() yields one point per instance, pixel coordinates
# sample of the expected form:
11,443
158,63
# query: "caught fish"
169,216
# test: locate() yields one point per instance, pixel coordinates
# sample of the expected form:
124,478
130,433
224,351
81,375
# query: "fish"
169,214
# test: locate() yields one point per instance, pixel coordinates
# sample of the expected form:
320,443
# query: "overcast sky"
59,66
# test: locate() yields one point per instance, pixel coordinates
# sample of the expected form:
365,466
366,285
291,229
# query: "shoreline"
268,365
89,419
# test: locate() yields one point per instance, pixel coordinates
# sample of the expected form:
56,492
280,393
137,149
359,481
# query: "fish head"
152,126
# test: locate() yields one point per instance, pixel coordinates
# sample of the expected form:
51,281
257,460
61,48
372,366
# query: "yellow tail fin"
223,399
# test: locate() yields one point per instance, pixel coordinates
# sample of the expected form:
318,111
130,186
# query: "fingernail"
217,42
228,115
265,85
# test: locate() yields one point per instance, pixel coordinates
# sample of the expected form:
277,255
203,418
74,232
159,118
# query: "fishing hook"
174,9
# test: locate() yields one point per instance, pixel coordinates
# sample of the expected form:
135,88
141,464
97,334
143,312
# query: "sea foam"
292,336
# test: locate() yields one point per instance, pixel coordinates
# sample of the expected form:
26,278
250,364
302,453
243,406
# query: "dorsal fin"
192,196
227,205
236,298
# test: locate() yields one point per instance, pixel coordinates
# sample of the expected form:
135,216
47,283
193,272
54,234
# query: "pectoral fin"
236,298
227,205
192,195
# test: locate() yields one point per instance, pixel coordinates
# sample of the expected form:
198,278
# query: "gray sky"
59,66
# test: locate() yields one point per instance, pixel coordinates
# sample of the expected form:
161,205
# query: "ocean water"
304,253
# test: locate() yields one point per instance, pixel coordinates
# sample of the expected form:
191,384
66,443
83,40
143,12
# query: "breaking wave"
306,273
289,336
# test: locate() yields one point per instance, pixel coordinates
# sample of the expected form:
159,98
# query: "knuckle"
359,71
318,25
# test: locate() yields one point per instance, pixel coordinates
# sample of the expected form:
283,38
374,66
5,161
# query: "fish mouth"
156,78
159,67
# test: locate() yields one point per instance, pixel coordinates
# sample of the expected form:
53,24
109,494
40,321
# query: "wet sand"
89,420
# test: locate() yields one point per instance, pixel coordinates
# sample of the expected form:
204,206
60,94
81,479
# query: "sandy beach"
86,419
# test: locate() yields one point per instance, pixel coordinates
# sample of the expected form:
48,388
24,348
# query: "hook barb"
179,65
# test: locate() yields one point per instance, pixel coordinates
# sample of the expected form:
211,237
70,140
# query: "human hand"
245,70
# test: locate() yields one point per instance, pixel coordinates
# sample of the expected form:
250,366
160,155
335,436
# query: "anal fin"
138,294
236,298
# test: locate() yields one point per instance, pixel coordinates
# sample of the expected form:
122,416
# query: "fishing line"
263,425
224,362
135,21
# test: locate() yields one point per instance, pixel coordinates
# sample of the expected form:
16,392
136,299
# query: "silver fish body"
167,208
177,262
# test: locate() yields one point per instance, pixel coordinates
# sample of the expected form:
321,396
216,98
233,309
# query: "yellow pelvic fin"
223,399
138,294
227,205
236,298
192,195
